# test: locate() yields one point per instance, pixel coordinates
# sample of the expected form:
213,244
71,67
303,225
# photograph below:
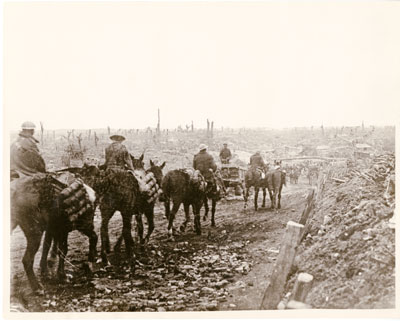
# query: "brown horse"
36,207
255,177
179,188
145,207
275,181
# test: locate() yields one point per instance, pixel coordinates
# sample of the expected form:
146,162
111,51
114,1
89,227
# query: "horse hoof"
212,224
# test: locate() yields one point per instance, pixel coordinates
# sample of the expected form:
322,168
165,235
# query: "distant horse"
179,187
255,177
215,191
275,181
294,174
312,174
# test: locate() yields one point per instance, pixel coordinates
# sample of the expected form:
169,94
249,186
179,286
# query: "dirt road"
226,268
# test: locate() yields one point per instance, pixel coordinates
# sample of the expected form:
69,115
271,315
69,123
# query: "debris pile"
350,249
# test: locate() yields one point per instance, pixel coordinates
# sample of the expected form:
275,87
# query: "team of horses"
34,207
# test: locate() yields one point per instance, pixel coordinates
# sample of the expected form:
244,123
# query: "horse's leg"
106,214
196,211
279,197
149,212
140,228
62,254
167,208
93,238
245,195
126,232
264,195
33,236
271,197
53,253
213,208
45,252
206,208
175,208
186,209
256,190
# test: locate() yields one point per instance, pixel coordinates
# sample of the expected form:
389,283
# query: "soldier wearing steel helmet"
204,162
117,155
25,158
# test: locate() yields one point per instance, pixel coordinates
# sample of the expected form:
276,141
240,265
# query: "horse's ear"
151,163
141,157
162,165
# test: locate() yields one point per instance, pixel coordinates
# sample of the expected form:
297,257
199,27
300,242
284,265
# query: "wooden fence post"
308,208
283,264
302,287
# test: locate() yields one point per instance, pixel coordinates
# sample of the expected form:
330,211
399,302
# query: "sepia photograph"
218,158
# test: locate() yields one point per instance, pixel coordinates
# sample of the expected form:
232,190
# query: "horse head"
137,162
157,171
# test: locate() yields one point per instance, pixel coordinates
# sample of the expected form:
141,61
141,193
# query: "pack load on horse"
183,186
40,202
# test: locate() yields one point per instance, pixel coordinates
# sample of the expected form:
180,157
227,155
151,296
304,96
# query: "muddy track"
226,268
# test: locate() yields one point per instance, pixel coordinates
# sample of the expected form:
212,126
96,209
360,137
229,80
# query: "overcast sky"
269,64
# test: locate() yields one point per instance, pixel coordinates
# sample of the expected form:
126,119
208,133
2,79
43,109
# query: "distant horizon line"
219,129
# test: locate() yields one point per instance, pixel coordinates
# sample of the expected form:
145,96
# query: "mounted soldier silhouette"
204,162
260,176
25,158
117,155
256,176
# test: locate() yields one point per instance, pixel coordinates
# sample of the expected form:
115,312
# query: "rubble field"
350,250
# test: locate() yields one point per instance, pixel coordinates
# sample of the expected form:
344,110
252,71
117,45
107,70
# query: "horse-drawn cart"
233,176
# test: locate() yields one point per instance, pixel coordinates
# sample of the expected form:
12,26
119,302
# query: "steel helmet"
28,125
202,146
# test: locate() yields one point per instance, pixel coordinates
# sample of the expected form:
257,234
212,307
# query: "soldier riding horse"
260,176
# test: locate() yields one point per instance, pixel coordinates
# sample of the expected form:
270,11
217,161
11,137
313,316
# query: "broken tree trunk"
282,266
302,286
